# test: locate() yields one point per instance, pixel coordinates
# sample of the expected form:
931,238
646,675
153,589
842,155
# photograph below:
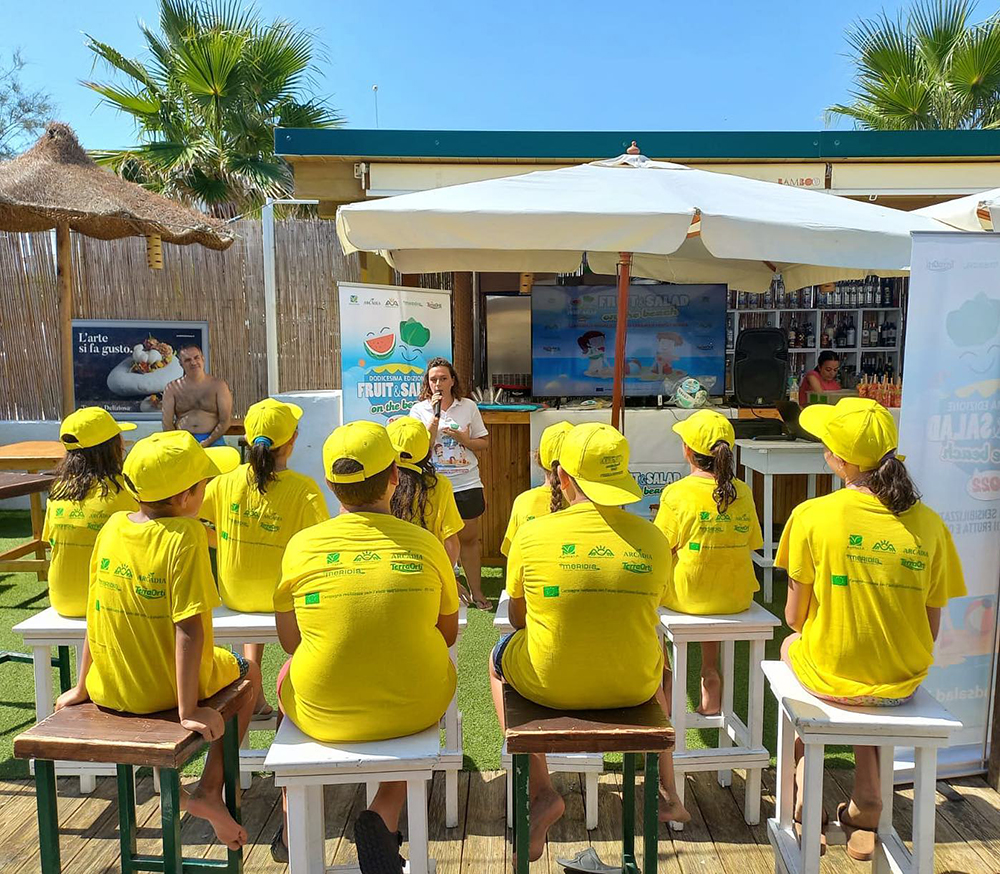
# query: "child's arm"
213,538
448,626
189,636
797,604
518,610
289,635
934,618
78,694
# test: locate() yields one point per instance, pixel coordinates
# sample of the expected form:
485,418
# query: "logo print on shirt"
150,594
694,547
569,549
60,510
704,515
224,535
723,517
637,567
855,540
602,552
912,564
123,570
312,598
105,563
550,591
234,507
883,546
367,555
332,557
839,579
742,529
77,514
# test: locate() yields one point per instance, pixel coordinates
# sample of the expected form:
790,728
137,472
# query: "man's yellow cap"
166,464
364,442
596,456
859,430
702,430
271,422
551,443
90,426
411,441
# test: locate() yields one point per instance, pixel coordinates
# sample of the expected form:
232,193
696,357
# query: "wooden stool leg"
728,670
522,808
510,796
416,818
590,800
924,789
48,815
650,820
628,810
231,777
812,808
170,816
126,817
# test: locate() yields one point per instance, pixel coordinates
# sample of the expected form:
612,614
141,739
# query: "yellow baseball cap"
859,430
367,443
411,441
271,420
596,456
166,464
551,443
90,426
702,430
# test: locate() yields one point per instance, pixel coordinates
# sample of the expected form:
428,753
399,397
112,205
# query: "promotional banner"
387,335
674,332
124,366
950,434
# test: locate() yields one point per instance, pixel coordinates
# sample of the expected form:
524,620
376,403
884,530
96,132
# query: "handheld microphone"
437,409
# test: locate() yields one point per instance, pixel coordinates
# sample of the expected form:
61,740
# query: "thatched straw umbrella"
55,184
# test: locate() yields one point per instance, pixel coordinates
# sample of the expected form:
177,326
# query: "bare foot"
227,829
262,709
671,809
711,693
546,810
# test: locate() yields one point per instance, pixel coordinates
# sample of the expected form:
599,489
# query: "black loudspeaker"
760,367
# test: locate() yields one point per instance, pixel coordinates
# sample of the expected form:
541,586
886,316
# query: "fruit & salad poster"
387,336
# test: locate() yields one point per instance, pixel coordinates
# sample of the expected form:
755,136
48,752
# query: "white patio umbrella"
974,212
649,218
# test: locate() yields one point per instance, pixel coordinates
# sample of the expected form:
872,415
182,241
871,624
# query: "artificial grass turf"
22,595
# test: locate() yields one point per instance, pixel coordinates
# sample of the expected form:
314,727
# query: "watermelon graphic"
381,346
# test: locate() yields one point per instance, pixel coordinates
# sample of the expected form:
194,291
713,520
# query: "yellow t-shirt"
592,578
873,576
144,578
253,530
71,528
367,590
714,570
527,506
441,513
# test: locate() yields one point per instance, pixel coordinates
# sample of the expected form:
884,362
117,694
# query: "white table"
773,458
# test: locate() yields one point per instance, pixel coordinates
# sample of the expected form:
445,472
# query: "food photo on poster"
125,366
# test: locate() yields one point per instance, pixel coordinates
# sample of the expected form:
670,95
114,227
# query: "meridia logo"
123,570
855,540
407,567
105,563
367,555
332,557
601,552
883,546
637,567
569,549
912,564
150,594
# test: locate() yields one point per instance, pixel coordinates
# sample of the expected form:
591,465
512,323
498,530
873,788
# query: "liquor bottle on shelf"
851,334
810,341
730,333
835,303
791,332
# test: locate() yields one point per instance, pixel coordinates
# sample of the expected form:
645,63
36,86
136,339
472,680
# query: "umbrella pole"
64,271
621,329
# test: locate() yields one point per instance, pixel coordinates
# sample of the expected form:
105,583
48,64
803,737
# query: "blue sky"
767,65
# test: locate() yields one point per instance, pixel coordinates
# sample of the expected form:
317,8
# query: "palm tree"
932,70
217,81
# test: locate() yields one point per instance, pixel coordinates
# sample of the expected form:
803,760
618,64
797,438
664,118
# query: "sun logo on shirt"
367,555
601,552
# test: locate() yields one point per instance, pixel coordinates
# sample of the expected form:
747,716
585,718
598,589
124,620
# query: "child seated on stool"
869,569
367,607
585,585
149,640
256,509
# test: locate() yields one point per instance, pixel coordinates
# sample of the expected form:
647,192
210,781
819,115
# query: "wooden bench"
88,733
741,745
633,731
922,723
16,485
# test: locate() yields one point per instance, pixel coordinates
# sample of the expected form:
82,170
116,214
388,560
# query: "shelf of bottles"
860,320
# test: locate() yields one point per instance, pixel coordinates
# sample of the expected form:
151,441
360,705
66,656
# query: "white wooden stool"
303,766
921,723
589,765
741,745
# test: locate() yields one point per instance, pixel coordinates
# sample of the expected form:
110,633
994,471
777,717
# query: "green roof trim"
589,145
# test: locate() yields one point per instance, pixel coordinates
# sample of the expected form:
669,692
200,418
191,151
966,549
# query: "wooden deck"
717,839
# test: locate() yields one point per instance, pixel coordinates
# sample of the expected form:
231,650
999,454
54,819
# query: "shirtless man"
197,402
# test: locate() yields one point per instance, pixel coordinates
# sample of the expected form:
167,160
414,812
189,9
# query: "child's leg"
206,801
254,653
711,682
671,808
866,799
388,803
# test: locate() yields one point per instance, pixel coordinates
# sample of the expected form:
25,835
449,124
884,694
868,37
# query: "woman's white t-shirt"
450,457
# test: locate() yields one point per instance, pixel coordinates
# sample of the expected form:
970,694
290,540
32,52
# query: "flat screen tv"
674,331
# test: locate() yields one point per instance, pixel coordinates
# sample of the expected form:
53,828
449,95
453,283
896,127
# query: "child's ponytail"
409,500
556,503
722,466
262,464
890,482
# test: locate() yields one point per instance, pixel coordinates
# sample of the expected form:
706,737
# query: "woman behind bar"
869,569
821,378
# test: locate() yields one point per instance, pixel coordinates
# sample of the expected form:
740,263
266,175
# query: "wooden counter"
506,471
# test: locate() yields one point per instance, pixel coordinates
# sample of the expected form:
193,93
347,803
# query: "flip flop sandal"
378,848
588,862
279,852
860,841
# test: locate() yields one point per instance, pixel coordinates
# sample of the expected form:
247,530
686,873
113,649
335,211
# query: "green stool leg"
65,677
48,815
231,771
170,815
628,812
126,817
650,819
521,810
